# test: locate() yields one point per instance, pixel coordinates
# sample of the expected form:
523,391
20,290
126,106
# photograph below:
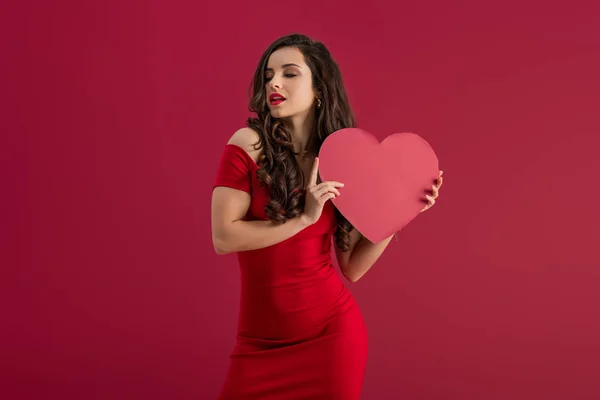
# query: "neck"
301,129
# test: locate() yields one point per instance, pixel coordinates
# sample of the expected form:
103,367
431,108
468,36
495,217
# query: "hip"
344,324
280,328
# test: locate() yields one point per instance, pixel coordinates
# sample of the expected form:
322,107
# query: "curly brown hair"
278,166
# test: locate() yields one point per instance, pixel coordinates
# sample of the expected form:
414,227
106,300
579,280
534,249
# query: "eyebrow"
285,65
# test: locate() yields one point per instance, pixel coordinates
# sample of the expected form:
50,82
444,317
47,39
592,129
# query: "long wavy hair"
278,166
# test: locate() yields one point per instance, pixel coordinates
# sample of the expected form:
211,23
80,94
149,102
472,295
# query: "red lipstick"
276,98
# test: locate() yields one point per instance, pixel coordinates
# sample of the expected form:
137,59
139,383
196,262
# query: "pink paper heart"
384,183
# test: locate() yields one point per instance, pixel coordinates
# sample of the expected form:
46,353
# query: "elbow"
220,246
224,241
349,275
220,251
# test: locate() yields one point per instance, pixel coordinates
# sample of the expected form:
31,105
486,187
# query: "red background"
114,117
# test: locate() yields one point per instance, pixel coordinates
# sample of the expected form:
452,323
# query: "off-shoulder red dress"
300,332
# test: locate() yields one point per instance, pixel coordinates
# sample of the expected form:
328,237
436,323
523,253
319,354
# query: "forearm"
363,257
253,235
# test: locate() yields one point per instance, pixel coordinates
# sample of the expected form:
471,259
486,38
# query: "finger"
325,197
331,184
431,200
313,173
435,191
320,189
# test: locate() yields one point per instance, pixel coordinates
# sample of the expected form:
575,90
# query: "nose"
274,84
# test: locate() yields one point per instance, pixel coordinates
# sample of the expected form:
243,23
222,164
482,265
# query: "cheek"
304,92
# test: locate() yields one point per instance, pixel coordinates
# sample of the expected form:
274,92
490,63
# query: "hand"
317,195
435,192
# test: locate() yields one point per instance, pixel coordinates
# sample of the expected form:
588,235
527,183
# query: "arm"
230,234
362,255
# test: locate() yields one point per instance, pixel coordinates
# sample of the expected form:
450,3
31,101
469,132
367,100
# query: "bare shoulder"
247,138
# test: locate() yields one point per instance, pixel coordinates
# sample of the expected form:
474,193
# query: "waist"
287,310
279,268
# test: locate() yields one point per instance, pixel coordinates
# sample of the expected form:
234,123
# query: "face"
288,75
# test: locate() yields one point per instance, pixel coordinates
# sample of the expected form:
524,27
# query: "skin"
295,83
288,75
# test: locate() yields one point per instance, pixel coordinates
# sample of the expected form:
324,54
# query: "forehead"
286,55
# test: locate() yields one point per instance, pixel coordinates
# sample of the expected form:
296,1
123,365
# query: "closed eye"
268,78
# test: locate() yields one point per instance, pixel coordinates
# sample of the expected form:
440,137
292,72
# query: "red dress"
300,333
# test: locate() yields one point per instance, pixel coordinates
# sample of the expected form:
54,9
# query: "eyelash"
286,75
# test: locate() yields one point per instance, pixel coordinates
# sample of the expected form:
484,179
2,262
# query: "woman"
300,332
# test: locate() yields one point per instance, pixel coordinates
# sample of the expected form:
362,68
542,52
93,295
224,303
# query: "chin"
278,114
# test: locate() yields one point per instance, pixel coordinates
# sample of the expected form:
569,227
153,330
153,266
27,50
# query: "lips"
276,98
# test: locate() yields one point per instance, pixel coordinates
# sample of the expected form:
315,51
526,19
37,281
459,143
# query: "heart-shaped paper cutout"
384,183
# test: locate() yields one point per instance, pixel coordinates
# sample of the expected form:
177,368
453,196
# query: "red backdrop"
114,118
